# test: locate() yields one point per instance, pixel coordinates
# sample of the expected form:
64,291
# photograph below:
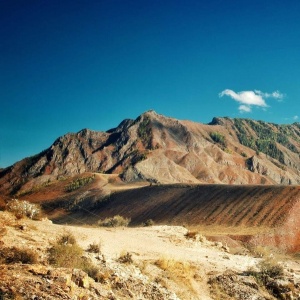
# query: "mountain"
158,149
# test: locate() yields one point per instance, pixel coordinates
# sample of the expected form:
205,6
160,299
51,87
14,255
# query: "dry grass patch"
66,255
268,253
182,273
65,252
217,293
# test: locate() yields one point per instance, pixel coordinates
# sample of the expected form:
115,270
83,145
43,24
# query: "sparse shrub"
179,268
93,248
67,238
87,266
115,221
271,268
18,255
149,222
244,154
216,291
267,268
125,258
23,209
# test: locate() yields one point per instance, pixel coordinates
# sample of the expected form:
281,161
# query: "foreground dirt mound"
160,262
29,275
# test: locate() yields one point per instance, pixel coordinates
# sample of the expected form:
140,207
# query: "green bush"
79,182
144,132
115,221
23,209
218,138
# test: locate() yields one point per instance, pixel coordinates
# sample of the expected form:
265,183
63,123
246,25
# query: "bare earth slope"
266,214
160,149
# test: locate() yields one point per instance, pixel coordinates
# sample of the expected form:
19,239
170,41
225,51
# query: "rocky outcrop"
160,149
232,285
46,282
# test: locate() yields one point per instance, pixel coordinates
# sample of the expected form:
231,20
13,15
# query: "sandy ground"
146,244
150,243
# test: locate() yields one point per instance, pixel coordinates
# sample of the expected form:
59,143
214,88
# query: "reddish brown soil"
256,214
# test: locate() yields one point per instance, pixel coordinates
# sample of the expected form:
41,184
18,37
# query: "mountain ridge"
160,149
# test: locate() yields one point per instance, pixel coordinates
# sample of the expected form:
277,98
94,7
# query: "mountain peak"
150,112
217,121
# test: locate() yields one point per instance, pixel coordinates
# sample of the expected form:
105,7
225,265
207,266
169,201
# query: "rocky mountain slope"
160,149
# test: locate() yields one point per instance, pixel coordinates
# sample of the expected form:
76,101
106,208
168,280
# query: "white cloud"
244,108
247,99
295,118
276,95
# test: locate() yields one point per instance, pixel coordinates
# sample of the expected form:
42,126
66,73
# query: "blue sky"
68,65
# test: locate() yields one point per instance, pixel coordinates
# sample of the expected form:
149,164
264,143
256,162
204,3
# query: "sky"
68,65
